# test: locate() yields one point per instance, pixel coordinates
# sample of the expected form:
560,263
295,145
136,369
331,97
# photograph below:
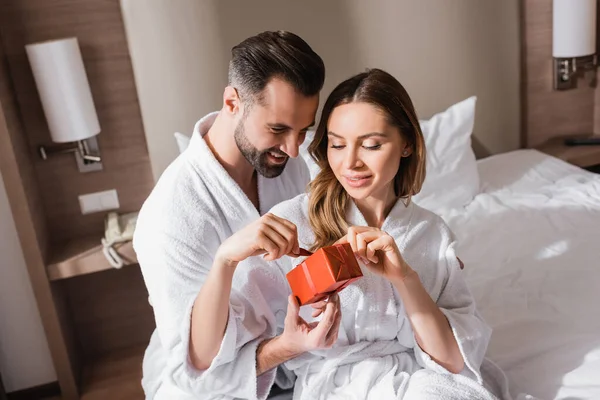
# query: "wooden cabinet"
587,157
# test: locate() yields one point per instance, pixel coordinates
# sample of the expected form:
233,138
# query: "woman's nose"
352,159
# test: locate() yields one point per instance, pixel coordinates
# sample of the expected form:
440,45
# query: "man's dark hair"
268,55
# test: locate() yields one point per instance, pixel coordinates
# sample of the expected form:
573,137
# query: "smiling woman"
368,137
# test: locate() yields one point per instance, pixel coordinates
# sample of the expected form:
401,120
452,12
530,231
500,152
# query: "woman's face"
364,150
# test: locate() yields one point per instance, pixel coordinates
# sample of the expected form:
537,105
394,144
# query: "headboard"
441,51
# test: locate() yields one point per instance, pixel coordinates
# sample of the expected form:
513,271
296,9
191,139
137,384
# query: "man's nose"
291,145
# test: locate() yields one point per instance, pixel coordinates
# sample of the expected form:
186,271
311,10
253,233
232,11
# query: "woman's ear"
231,100
407,151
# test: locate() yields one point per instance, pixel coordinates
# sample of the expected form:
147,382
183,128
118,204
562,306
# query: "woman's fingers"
368,237
351,238
361,246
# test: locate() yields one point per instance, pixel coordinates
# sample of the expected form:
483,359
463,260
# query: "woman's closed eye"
372,147
376,146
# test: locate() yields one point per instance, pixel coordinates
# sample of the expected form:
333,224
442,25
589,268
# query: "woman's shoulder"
294,209
429,222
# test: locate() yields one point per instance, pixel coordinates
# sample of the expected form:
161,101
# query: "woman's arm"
432,330
433,333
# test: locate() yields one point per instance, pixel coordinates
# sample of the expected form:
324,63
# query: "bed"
530,241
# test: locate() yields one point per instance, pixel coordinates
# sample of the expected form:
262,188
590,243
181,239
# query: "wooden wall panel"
548,113
109,310
26,205
99,28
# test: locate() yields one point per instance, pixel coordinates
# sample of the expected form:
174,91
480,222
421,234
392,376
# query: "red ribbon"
309,280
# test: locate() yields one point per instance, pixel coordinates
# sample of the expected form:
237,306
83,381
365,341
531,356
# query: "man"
241,161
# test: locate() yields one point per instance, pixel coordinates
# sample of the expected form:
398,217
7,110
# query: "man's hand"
269,234
300,336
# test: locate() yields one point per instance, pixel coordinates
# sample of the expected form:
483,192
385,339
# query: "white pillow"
182,141
452,178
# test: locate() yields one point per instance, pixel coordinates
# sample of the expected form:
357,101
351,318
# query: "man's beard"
258,159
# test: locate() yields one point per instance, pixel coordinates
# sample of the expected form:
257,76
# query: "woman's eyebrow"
365,136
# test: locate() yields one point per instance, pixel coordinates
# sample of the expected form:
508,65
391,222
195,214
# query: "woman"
408,328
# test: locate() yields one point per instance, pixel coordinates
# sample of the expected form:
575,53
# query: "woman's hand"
269,234
300,336
378,251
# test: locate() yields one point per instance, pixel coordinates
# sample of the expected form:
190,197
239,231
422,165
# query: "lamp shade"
574,28
64,89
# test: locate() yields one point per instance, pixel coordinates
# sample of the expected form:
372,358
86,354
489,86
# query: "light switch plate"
99,201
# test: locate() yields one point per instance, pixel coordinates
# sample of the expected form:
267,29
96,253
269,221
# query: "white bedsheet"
531,247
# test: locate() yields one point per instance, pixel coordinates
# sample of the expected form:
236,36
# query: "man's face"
273,129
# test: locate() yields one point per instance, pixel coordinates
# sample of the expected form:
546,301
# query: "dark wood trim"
523,75
2,392
51,389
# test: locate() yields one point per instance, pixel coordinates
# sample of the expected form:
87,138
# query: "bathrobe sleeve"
456,302
257,312
257,296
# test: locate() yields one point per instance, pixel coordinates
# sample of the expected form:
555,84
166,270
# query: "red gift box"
330,269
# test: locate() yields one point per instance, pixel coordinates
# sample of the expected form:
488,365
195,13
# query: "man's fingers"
294,236
287,230
283,244
293,308
319,304
267,245
324,326
334,331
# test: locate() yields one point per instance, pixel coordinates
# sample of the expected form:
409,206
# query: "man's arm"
271,353
298,336
271,235
212,304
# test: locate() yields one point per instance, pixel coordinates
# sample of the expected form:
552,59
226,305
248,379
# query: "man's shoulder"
179,192
294,209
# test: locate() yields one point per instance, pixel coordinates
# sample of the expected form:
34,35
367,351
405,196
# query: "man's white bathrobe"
376,355
194,207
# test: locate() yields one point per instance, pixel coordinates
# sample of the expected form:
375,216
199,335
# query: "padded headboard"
441,51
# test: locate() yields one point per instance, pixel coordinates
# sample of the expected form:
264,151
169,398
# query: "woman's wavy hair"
328,199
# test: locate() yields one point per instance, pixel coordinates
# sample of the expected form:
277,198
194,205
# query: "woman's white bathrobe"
194,207
376,355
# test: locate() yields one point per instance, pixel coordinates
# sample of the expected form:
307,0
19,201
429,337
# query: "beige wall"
24,355
442,51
